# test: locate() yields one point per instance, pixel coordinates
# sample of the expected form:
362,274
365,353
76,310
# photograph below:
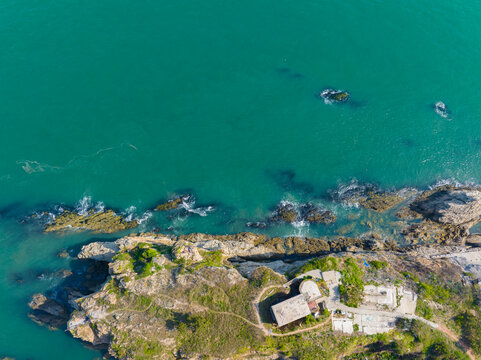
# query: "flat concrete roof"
331,277
310,290
290,310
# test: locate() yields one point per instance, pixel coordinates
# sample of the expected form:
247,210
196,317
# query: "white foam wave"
453,182
31,166
84,205
130,214
441,109
188,204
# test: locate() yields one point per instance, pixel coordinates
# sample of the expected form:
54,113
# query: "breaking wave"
188,204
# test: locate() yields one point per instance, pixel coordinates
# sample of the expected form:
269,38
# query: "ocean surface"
128,103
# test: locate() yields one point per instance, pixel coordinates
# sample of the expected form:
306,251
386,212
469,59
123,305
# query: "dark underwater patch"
289,74
286,180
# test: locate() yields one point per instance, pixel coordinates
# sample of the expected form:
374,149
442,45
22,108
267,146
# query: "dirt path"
456,338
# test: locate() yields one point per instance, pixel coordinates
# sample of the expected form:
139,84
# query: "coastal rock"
248,267
100,251
100,222
63,254
332,95
474,240
430,231
316,215
450,205
47,311
441,109
172,203
380,201
183,250
286,212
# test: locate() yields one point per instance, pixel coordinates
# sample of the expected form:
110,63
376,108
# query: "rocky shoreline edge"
136,272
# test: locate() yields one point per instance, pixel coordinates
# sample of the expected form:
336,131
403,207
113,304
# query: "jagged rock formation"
48,311
450,205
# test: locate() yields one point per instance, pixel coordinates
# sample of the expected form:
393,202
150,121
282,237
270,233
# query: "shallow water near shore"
129,103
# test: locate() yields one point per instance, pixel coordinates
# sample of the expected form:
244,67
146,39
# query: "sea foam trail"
188,204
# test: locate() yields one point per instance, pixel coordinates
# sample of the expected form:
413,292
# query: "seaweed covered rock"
380,201
100,222
450,205
286,212
171,204
332,95
316,215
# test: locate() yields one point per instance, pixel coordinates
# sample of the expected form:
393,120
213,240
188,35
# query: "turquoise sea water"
129,102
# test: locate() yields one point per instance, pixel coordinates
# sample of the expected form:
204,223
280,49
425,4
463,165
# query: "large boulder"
451,206
100,251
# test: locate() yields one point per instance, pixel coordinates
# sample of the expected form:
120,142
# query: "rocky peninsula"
153,296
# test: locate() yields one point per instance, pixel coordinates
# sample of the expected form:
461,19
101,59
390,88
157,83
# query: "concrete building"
298,306
290,310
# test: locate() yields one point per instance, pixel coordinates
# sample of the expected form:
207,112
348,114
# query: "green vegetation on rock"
352,283
100,222
170,204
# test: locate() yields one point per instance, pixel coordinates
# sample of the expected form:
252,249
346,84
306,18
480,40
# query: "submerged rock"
332,95
101,222
257,225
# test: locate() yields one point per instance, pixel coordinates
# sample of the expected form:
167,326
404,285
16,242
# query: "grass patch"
352,283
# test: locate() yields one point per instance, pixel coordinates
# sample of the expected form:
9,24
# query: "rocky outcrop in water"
172,203
290,212
106,221
332,95
48,311
441,109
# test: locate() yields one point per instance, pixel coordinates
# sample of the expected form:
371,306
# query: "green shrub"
376,264
323,264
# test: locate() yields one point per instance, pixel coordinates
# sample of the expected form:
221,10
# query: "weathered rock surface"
100,251
474,240
47,311
281,267
450,205
183,250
